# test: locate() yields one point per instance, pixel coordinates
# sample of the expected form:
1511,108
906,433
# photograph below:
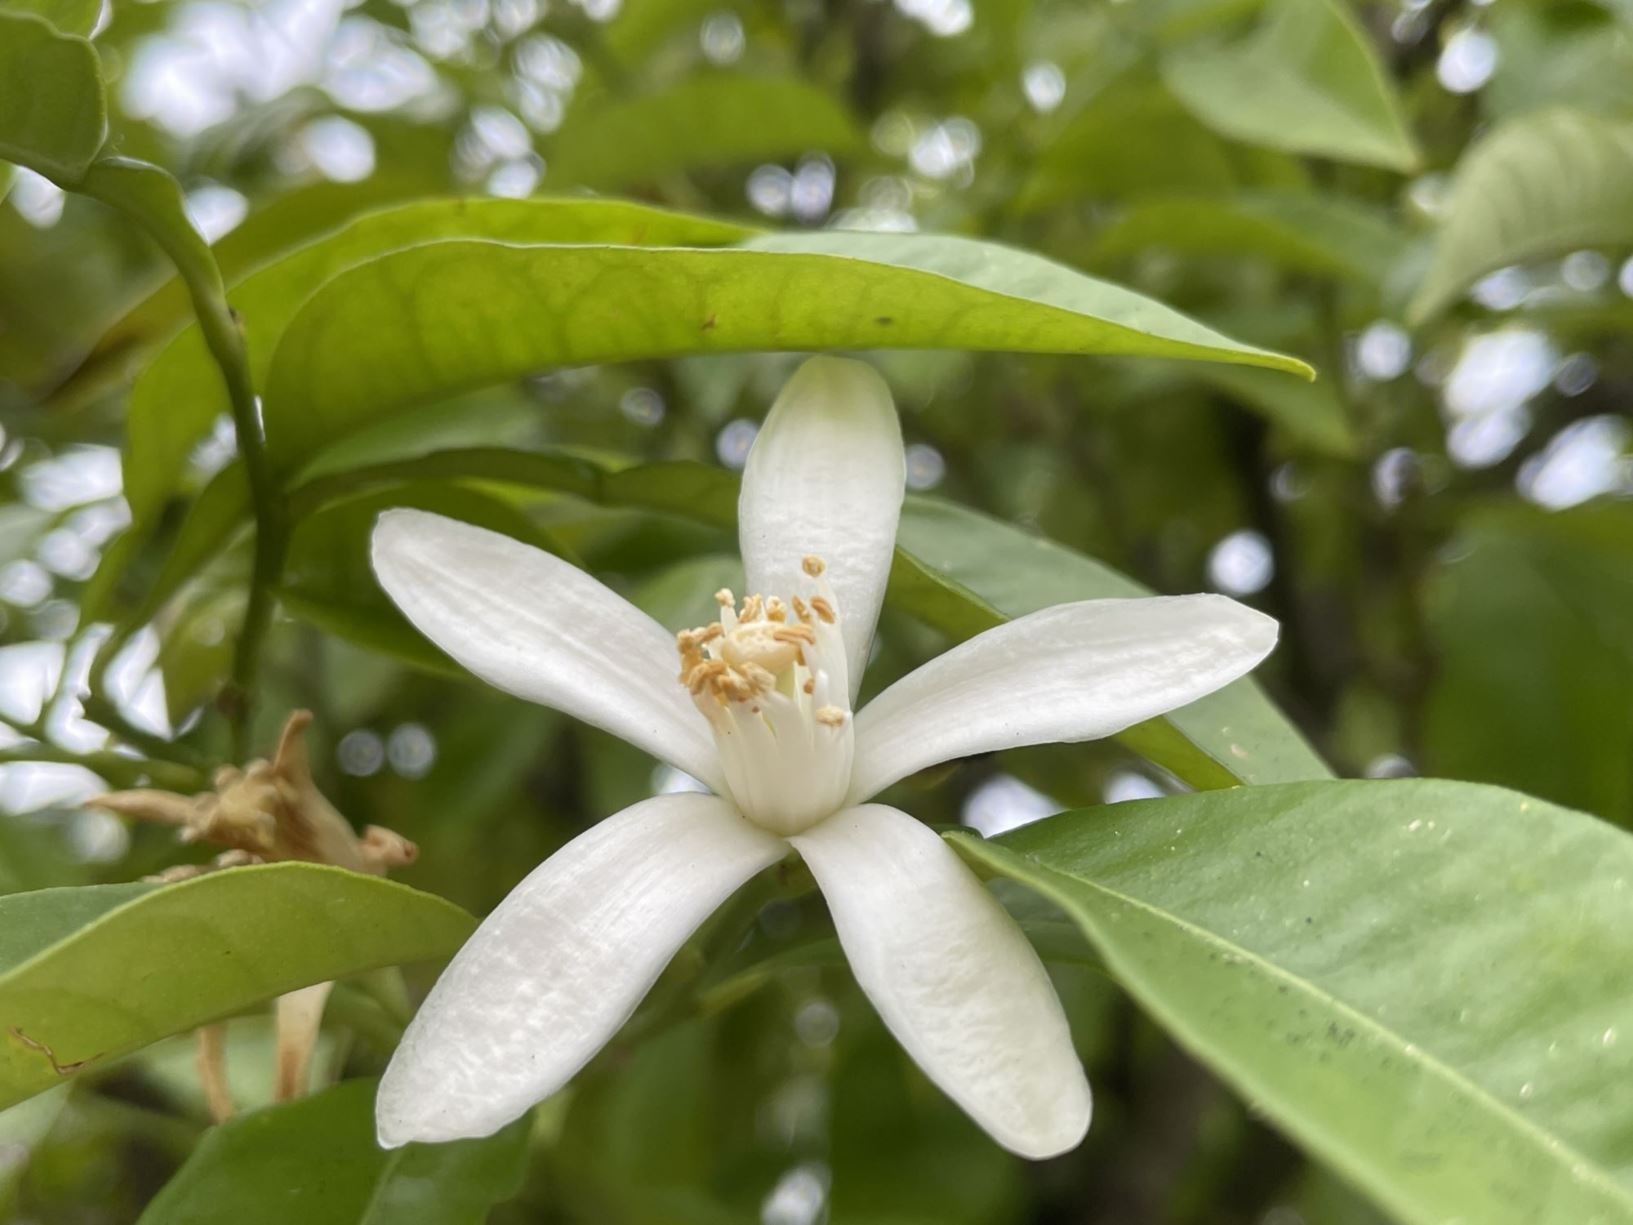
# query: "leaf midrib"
1555,1149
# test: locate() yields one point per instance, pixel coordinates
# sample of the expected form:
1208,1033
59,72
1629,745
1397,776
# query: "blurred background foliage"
1430,201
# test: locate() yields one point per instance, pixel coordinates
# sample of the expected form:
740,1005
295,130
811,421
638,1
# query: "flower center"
772,680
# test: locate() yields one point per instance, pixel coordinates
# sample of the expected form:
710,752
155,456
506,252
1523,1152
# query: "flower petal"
561,963
952,976
537,627
1063,674
825,476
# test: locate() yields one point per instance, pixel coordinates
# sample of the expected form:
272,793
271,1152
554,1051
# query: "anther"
830,716
823,609
812,565
724,598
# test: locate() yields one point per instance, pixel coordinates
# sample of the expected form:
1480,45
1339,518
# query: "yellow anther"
812,565
724,598
823,609
830,716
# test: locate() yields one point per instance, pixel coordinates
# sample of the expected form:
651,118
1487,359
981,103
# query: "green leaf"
1314,413
329,579
716,119
87,975
1305,80
53,117
1551,717
153,198
1537,186
960,571
1422,982
315,1161
45,917
1322,235
963,572
23,1128
1558,55
434,320
411,164
1103,153
177,398
69,16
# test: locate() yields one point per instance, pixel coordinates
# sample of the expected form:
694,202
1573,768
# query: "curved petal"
826,476
561,963
952,976
1063,674
537,627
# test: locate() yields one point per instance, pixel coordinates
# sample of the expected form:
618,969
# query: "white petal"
952,976
825,476
1063,674
554,971
533,625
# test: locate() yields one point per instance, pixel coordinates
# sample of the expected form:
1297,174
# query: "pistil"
770,677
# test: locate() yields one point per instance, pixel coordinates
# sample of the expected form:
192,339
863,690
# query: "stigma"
771,678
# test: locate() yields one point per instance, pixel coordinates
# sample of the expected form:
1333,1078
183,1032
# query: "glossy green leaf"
449,316
719,119
1305,80
1322,235
1443,1040
87,975
53,117
1541,185
316,1161
178,397
962,572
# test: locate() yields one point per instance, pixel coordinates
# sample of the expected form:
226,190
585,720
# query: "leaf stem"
151,198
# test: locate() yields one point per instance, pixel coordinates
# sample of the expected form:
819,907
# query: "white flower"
763,715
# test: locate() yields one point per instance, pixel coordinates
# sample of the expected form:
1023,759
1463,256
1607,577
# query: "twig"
129,186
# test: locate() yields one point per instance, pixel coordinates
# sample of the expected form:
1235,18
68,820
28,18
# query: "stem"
100,710
151,198
115,767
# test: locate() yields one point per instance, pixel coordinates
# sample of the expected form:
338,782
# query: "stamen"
770,677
